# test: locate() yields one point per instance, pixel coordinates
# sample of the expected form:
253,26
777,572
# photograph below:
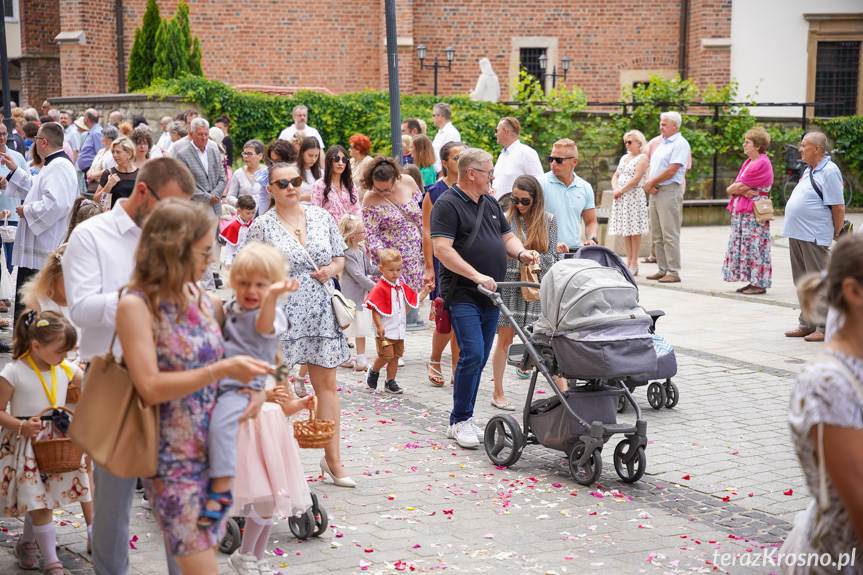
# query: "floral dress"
313,336
387,227
823,394
178,492
747,258
338,201
629,211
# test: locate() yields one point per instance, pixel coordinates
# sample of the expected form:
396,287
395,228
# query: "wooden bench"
706,212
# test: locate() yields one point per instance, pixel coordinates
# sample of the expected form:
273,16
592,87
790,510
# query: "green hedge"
336,117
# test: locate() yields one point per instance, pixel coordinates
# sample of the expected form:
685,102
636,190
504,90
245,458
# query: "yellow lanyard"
52,393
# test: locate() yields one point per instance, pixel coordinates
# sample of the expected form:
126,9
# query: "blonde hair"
348,226
260,258
389,255
638,137
567,143
407,144
44,283
166,254
126,144
423,151
846,262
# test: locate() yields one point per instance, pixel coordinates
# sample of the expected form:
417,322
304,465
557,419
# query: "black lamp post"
543,64
422,52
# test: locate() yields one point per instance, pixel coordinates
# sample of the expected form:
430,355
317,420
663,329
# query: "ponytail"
45,327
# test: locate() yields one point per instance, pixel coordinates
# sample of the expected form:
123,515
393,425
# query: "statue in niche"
487,86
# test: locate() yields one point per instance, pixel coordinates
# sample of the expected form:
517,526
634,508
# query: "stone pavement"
721,474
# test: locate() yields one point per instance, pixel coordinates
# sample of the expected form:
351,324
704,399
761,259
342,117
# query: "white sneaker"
449,432
264,568
145,503
479,431
464,435
244,564
401,362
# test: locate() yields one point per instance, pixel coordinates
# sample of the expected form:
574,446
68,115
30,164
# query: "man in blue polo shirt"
569,198
812,221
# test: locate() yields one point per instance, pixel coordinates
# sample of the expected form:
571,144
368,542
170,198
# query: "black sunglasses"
522,201
283,183
340,160
552,159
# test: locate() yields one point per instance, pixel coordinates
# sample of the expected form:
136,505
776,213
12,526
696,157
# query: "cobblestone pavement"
721,474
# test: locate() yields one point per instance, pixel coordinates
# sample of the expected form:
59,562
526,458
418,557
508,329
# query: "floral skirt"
24,488
748,256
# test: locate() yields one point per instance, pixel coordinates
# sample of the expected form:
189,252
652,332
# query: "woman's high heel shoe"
339,481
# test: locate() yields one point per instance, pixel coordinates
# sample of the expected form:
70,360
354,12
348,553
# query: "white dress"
629,211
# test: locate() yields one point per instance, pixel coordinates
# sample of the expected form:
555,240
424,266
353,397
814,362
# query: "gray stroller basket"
590,328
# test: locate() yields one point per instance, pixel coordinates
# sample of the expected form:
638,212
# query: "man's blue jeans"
474,328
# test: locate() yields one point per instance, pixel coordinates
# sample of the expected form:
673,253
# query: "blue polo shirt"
567,203
807,217
454,216
7,201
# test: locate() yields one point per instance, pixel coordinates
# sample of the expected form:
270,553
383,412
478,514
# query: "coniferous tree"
143,55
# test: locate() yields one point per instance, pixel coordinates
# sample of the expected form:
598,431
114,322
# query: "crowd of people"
123,233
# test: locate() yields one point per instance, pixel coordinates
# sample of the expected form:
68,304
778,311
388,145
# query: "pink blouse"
338,202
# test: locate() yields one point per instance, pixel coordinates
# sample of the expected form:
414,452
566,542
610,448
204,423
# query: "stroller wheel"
656,395
621,403
503,440
303,526
671,394
589,473
233,537
629,465
321,518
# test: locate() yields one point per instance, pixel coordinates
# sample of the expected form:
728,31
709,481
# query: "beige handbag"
112,424
763,210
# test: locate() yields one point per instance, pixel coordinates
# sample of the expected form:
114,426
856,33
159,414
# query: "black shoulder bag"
847,226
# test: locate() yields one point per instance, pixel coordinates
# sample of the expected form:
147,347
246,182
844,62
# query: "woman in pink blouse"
336,192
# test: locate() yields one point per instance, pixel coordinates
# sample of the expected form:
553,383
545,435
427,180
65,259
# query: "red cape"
232,232
381,297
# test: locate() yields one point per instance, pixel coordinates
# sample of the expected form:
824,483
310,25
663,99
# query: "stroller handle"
495,297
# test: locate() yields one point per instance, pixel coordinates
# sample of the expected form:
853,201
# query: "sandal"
648,260
207,517
435,375
522,374
754,290
361,367
744,288
349,363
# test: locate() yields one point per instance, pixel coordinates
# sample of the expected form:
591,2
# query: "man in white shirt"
99,260
48,201
165,139
515,160
300,116
441,114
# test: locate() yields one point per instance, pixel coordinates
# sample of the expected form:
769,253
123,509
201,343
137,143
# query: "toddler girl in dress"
36,380
356,284
269,477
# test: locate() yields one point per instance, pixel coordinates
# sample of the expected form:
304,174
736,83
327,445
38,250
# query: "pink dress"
387,227
270,477
338,202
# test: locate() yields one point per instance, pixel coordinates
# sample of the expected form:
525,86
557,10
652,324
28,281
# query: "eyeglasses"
149,189
384,192
522,201
552,159
454,158
247,154
283,183
340,160
489,172
627,142
206,253
37,138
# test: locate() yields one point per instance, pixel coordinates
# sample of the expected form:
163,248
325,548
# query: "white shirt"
164,141
395,325
517,160
310,132
29,397
72,136
205,161
99,260
446,134
9,200
48,199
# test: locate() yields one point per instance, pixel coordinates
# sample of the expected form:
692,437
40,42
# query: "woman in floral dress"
180,369
748,256
313,338
629,208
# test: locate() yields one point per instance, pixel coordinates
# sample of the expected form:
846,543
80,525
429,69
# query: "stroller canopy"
576,293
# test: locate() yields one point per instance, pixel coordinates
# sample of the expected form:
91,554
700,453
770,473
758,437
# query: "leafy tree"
143,56
139,75
163,48
195,59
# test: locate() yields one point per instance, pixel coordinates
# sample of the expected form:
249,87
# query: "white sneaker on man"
464,435
479,431
244,564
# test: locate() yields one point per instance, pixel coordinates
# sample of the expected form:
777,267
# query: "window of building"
837,77
10,10
529,61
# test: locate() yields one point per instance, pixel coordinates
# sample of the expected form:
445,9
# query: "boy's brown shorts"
394,349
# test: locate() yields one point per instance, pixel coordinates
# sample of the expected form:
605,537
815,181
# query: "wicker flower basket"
57,455
314,433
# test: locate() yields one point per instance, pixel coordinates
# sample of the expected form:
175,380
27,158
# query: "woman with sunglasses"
537,230
336,192
629,208
307,234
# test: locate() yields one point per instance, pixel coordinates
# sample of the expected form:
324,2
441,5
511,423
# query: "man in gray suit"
204,160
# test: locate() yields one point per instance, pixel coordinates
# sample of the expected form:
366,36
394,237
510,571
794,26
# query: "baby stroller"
591,331
662,393
312,523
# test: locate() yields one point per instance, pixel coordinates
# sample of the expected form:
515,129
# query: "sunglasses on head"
340,160
283,183
522,201
552,159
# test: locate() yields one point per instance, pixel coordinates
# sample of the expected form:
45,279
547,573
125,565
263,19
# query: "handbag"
112,424
763,210
847,226
441,316
530,273
7,232
344,309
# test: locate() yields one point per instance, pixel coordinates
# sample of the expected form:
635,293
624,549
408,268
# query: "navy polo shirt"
454,216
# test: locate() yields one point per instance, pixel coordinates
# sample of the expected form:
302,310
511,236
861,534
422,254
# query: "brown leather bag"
112,424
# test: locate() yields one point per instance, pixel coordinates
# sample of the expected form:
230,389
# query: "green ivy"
847,135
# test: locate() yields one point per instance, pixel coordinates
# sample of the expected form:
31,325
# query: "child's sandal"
207,517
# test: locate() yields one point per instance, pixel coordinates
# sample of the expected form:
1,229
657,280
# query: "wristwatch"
595,239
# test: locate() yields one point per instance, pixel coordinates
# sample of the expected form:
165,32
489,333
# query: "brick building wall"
40,62
342,47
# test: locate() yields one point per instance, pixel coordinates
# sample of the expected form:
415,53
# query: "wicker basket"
314,433
7,232
73,393
57,455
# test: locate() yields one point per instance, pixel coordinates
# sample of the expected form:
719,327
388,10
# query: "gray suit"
210,182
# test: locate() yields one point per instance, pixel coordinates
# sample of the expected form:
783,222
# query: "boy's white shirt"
231,249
